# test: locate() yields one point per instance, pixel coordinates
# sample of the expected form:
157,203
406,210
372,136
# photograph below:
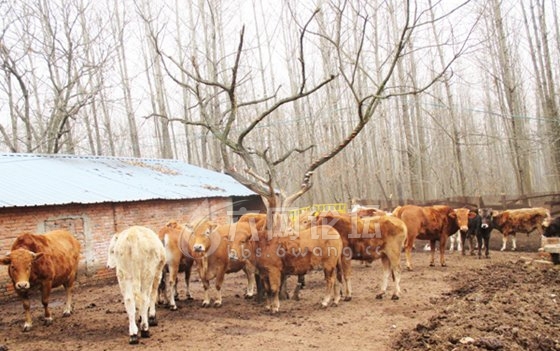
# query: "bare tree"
260,166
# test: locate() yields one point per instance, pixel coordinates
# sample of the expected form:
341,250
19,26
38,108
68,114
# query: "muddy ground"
501,303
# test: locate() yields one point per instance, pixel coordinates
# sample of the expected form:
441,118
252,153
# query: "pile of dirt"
505,306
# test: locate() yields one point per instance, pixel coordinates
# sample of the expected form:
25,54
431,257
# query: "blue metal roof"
37,180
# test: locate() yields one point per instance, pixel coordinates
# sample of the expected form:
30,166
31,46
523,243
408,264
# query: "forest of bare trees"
372,99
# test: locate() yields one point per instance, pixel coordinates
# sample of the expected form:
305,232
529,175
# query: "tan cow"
138,255
434,223
45,261
208,246
296,254
367,239
176,262
524,220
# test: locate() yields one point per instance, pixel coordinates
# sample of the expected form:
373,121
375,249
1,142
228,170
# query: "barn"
96,196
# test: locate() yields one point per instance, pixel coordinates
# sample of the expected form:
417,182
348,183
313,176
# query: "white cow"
139,256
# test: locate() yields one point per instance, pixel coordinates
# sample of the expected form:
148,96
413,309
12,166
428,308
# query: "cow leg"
460,243
463,239
152,320
274,280
385,277
162,288
68,308
45,293
442,252
172,285
130,307
513,242
479,242
471,244
143,311
486,245
504,241
330,277
251,281
26,308
344,275
433,252
408,255
219,281
206,286
188,269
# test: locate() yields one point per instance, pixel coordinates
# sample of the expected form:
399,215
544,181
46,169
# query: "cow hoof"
248,297
395,297
205,304
432,265
218,304
189,297
152,321
48,321
145,333
379,296
502,249
173,307
133,340
513,249
67,314
27,327
409,268
347,298
444,265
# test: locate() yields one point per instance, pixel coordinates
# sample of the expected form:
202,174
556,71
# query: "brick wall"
93,226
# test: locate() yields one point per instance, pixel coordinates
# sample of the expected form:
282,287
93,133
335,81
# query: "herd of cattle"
148,263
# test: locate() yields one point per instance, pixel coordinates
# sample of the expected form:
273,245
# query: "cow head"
486,217
462,216
20,263
201,241
111,257
240,244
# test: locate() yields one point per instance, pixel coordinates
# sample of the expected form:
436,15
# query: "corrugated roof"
37,180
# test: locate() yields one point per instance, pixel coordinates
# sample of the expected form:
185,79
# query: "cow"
484,221
524,220
456,242
138,255
434,223
553,229
208,246
367,239
176,262
43,261
257,222
291,253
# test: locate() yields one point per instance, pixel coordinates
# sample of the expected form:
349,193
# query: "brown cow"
524,220
208,246
44,261
427,223
295,253
367,239
176,262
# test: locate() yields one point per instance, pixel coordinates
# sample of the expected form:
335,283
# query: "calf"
485,225
295,254
434,223
176,262
208,246
524,220
366,239
44,261
138,255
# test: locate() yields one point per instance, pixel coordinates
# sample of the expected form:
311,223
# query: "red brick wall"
94,225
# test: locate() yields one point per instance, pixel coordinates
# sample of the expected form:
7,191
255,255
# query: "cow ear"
472,214
6,260
453,214
37,256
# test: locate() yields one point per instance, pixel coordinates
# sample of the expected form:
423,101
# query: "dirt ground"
501,303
